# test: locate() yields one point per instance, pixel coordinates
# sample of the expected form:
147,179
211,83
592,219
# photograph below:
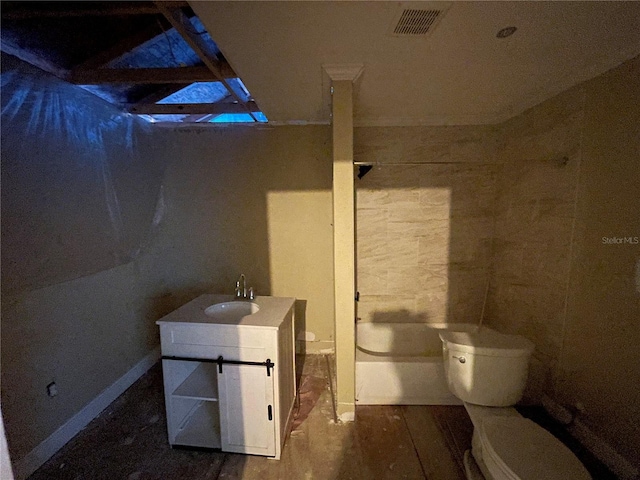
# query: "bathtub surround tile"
372,249
536,187
433,246
413,212
399,279
372,280
387,308
371,198
433,306
431,197
410,229
437,223
402,250
372,221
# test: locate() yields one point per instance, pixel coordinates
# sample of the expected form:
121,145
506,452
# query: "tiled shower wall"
424,223
540,152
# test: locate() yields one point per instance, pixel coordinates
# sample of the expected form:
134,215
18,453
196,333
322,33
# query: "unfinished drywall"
568,184
78,206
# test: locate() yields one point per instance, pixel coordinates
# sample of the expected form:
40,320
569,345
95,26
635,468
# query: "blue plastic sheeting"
199,92
166,50
108,95
79,195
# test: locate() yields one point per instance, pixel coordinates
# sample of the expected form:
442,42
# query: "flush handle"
460,359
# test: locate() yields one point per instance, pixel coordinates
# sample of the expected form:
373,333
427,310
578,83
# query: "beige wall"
106,226
255,201
571,177
600,365
425,223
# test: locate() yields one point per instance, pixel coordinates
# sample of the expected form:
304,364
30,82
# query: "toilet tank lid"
488,342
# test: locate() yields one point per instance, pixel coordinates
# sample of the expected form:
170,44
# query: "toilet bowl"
487,370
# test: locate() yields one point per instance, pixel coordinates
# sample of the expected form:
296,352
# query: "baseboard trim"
618,464
48,447
321,347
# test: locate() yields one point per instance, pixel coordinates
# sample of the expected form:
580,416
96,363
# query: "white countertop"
273,311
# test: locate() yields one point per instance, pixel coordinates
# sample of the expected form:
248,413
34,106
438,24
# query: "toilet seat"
515,448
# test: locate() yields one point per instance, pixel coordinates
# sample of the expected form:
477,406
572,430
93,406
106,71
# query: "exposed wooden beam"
114,9
192,108
183,25
147,75
7,46
198,118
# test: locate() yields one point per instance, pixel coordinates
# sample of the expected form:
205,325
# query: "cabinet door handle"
270,412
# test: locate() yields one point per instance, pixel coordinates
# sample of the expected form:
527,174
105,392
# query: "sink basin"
230,311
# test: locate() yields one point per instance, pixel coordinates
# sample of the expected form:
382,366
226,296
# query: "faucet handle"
238,293
251,294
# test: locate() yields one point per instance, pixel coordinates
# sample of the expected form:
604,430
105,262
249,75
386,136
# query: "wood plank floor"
128,441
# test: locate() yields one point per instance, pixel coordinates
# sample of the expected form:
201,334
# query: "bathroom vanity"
229,373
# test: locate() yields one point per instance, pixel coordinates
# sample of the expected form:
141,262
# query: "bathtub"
401,364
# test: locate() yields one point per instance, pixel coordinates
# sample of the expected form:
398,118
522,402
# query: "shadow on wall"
400,316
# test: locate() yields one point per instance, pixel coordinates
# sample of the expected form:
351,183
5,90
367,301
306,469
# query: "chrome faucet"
241,289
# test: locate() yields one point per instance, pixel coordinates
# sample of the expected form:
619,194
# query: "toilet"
487,370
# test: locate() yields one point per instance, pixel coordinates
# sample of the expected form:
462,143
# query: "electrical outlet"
52,389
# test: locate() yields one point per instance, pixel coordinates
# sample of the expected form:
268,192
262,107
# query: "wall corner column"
343,77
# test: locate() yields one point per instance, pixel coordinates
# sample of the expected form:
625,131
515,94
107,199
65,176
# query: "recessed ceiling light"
506,32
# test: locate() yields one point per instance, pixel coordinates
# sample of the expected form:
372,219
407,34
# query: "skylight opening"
208,93
193,84
239,118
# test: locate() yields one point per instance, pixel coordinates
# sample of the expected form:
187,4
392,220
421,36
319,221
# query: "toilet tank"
486,367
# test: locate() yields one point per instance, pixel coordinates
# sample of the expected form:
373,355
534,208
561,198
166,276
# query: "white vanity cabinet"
229,383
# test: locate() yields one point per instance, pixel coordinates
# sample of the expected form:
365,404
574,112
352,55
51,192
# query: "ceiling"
459,73
138,54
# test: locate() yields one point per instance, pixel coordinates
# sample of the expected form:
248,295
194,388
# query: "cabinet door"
247,413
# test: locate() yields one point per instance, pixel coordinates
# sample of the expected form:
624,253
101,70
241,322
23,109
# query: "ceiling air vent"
413,21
